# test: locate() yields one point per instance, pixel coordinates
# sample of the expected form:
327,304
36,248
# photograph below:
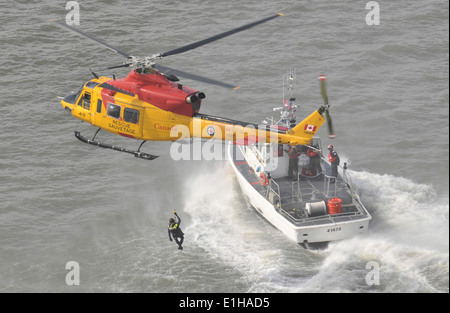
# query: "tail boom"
242,133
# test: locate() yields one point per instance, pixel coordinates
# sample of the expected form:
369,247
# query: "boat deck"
290,197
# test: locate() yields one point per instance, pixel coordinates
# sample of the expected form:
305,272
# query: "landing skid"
136,153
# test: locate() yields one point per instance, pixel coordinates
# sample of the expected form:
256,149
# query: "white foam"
226,229
408,238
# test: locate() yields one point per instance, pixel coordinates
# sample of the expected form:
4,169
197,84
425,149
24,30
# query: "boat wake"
407,242
226,230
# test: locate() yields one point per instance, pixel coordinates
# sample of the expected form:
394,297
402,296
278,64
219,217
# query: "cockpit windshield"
72,98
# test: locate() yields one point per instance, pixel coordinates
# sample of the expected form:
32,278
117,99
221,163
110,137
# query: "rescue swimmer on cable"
175,231
150,104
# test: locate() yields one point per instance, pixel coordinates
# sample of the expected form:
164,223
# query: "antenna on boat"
290,78
287,111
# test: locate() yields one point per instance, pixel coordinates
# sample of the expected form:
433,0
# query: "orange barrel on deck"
334,206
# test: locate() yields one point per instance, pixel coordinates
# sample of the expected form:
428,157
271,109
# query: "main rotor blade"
217,37
92,38
117,66
168,70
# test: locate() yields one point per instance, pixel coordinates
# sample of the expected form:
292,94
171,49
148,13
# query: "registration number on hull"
334,229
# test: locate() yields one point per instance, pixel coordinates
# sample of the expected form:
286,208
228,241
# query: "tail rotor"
326,106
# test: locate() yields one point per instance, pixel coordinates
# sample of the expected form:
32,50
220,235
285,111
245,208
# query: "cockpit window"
91,85
131,115
113,110
87,101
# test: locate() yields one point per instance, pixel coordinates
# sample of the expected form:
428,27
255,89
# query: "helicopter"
150,104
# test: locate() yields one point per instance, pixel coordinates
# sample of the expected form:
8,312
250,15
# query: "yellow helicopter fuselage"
124,107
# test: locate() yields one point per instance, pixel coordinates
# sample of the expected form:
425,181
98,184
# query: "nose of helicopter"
69,101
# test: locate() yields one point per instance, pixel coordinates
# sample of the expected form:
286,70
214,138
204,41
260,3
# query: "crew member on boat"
334,160
314,160
293,162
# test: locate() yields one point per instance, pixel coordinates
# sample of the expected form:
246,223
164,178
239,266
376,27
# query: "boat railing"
327,183
296,191
274,188
260,156
331,185
271,188
347,178
316,219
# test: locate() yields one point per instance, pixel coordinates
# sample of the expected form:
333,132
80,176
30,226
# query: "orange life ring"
264,180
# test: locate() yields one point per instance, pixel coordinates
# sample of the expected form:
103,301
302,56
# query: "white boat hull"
322,232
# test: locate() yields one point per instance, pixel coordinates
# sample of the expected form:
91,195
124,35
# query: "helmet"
171,220
330,146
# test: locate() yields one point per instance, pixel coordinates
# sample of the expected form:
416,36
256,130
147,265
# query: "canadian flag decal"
310,128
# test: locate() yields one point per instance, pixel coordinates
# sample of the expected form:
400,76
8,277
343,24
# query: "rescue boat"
309,205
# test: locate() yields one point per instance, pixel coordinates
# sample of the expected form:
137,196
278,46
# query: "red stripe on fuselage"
126,135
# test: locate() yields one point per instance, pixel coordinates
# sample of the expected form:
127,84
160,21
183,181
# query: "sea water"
62,201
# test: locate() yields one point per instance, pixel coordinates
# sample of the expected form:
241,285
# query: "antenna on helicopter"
95,75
